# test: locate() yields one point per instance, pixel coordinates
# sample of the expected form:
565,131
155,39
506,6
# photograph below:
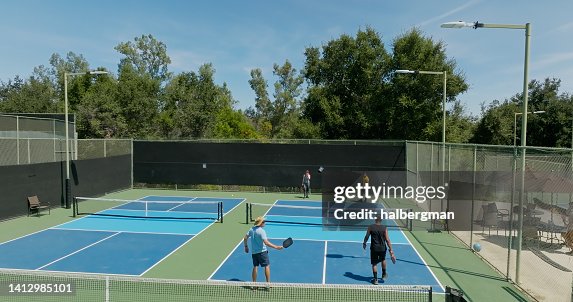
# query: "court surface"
327,257
115,245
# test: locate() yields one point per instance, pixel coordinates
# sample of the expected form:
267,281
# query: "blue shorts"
261,259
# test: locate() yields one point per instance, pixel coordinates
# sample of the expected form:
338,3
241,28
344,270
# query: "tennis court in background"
113,241
324,257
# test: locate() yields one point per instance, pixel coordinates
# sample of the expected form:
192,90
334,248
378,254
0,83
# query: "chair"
35,205
492,216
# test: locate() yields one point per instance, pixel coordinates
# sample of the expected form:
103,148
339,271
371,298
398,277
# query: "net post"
430,295
221,210
106,288
247,213
250,213
74,206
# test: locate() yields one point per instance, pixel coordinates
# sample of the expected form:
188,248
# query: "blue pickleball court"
321,256
114,244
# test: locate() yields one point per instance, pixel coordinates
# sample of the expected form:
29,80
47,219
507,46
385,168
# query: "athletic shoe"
384,276
374,281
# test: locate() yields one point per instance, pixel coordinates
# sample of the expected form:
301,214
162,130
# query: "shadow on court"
357,277
449,269
339,256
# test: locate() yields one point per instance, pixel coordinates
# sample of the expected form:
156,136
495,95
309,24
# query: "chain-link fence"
546,226
32,140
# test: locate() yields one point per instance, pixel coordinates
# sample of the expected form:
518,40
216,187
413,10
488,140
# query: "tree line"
347,89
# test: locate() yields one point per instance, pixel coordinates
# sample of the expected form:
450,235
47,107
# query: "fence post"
17,140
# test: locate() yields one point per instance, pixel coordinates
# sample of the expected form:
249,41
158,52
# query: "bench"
35,205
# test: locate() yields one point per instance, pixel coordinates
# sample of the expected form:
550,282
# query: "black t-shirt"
377,237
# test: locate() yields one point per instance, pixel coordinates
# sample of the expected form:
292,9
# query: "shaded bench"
35,205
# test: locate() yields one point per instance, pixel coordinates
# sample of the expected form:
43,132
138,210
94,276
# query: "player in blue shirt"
259,251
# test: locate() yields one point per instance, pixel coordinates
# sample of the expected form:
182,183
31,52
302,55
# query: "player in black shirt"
380,239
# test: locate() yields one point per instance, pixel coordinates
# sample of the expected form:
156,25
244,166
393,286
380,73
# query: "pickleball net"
149,209
327,215
88,288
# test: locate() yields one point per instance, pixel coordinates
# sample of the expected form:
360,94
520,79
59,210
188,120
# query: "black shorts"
377,257
261,259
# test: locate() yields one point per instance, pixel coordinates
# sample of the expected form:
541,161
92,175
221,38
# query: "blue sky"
237,36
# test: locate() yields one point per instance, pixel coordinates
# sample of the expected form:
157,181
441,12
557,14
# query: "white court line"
230,253
423,261
226,212
296,200
131,232
182,203
324,264
66,272
425,264
317,217
48,228
225,260
185,243
163,196
85,247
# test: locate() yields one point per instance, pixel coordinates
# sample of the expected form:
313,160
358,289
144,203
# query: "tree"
192,103
416,100
346,85
99,114
146,56
142,72
31,95
552,128
233,124
137,96
278,118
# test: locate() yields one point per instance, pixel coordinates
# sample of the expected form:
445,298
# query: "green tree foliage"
346,88
193,104
552,128
496,124
146,56
137,96
142,71
416,100
32,95
99,115
233,124
281,117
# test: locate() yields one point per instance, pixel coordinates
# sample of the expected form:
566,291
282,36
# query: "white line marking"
224,260
324,265
85,247
185,202
175,250
423,261
134,232
229,255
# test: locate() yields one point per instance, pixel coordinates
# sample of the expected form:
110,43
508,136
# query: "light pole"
515,123
527,28
444,73
66,74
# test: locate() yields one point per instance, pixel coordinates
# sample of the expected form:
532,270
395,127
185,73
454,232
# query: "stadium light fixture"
527,28
66,75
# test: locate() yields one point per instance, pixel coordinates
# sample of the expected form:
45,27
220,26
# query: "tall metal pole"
67,184
444,135
523,149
